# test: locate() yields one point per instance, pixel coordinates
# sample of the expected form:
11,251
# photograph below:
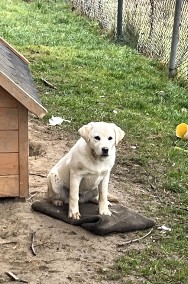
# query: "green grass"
97,79
164,260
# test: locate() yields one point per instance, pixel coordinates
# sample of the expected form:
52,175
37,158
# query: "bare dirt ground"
64,253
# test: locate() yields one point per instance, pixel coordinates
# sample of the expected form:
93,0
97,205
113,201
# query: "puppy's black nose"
105,150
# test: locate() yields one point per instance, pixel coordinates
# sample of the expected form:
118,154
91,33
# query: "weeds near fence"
146,25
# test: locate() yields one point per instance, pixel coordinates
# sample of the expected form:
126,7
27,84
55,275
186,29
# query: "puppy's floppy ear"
84,131
118,132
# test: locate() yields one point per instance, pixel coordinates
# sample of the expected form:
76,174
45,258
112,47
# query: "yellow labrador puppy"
83,173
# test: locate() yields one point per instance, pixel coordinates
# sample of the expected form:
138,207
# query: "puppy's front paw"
74,216
58,202
103,211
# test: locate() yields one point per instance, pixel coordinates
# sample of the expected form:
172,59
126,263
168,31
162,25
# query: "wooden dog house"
18,95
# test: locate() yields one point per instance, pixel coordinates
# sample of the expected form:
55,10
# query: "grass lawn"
96,79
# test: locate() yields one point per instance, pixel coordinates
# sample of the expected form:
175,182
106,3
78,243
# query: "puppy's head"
101,137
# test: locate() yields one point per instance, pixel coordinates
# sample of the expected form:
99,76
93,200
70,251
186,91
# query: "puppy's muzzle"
105,151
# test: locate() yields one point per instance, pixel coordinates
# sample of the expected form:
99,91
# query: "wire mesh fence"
146,25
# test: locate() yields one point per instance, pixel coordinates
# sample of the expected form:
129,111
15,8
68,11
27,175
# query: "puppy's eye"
97,138
110,138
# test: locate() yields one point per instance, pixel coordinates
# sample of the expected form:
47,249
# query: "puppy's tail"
112,198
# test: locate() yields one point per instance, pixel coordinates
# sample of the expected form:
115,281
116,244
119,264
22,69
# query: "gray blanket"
122,219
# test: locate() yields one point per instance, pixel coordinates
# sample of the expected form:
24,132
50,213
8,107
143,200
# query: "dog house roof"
15,78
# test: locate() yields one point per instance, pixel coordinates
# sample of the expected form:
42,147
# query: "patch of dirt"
64,253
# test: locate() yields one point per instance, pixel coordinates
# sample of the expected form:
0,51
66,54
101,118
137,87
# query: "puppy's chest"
94,174
90,169
90,181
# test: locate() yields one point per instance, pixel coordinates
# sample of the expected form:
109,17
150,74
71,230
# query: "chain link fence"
146,25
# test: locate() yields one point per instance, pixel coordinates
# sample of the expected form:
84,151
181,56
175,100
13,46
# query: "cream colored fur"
83,173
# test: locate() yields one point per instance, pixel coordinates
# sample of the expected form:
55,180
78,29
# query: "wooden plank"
6,100
9,186
18,93
8,141
9,164
14,50
23,152
8,118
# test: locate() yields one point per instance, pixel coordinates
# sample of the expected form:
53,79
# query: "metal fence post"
119,18
175,39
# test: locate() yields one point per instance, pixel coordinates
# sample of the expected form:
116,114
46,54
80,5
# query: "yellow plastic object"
182,131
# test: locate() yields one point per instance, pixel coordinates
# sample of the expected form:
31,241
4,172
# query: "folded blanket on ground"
122,219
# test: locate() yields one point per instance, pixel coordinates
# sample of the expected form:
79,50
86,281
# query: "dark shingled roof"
16,70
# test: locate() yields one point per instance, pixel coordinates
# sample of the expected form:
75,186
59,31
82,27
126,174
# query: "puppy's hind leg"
54,189
95,198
